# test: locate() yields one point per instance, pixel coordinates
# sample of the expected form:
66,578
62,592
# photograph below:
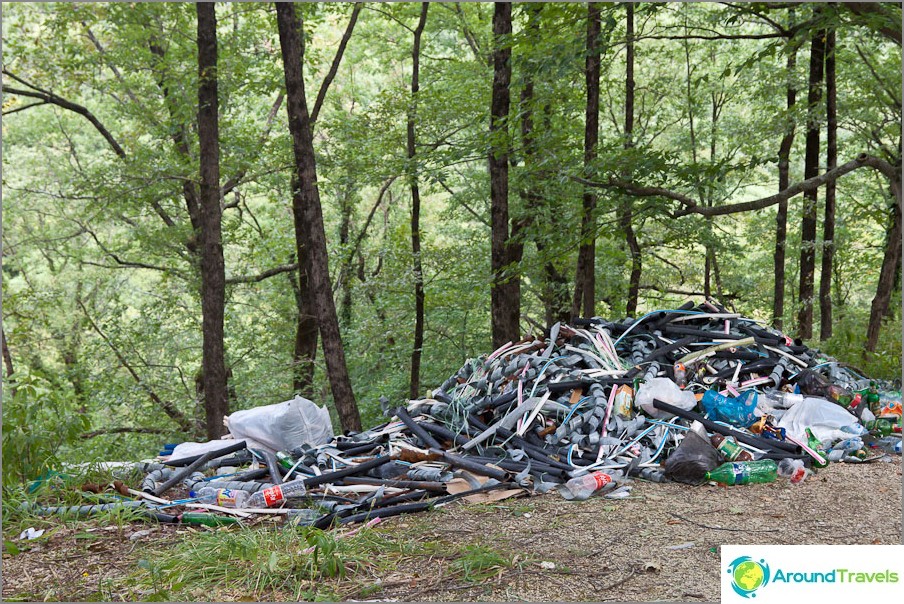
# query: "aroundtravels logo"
748,575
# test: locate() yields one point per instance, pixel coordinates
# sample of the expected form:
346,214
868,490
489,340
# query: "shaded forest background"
212,207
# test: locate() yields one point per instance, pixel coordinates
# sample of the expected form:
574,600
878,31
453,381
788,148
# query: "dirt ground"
661,544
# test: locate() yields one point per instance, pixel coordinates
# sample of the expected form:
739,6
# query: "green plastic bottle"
882,426
815,444
745,472
207,519
285,460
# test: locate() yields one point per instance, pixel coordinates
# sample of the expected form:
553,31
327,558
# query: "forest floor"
660,544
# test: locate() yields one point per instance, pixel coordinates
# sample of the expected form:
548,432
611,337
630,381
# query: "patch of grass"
301,564
478,563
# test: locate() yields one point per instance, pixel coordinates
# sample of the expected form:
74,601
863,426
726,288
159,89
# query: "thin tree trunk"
811,169
419,298
505,293
345,268
7,362
828,225
781,217
213,271
313,234
891,263
626,206
306,331
584,301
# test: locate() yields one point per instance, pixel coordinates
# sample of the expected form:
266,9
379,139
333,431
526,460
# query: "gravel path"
661,544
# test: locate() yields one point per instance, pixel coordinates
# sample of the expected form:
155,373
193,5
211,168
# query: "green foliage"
37,422
97,248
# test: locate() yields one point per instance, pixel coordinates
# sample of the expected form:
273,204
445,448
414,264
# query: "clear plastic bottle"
793,469
227,498
275,495
582,487
782,400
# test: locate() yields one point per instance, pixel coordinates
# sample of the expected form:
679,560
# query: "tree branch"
285,268
869,9
49,97
94,433
691,206
334,67
168,408
234,180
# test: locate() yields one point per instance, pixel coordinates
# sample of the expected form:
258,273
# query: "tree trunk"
415,383
626,206
828,225
306,331
781,218
584,301
811,169
7,362
505,293
213,271
345,265
313,234
891,263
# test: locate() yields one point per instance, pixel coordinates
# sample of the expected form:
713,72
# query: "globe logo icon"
748,575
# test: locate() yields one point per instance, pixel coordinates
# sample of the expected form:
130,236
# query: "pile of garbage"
692,394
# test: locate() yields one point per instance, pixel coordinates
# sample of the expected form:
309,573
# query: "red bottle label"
601,479
273,495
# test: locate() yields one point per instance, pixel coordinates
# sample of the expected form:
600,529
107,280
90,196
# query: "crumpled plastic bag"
190,449
283,426
822,416
734,410
692,459
665,390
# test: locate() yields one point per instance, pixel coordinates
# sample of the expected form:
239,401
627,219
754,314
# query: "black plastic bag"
692,459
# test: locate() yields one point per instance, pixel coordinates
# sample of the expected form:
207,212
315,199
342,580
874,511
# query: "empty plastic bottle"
277,494
744,472
782,400
582,487
227,498
889,444
793,469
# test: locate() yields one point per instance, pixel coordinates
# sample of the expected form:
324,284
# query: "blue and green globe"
748,575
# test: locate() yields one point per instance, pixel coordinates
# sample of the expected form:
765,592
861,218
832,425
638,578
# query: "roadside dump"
691,395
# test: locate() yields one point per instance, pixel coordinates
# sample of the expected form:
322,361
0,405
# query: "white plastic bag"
283,426
191,449
667,391
822,416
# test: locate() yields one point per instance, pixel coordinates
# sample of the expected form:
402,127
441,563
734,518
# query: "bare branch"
177,416
95,433
49,97
691,206
278,270
334,67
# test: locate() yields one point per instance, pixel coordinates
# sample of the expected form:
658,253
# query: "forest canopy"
212,207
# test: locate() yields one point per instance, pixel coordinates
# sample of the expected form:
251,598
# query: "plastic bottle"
782,400
880,426
793,469
285,459
745,472
582,487
848,445
815,384
227,498
889,444
275,495
815,444
730,448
